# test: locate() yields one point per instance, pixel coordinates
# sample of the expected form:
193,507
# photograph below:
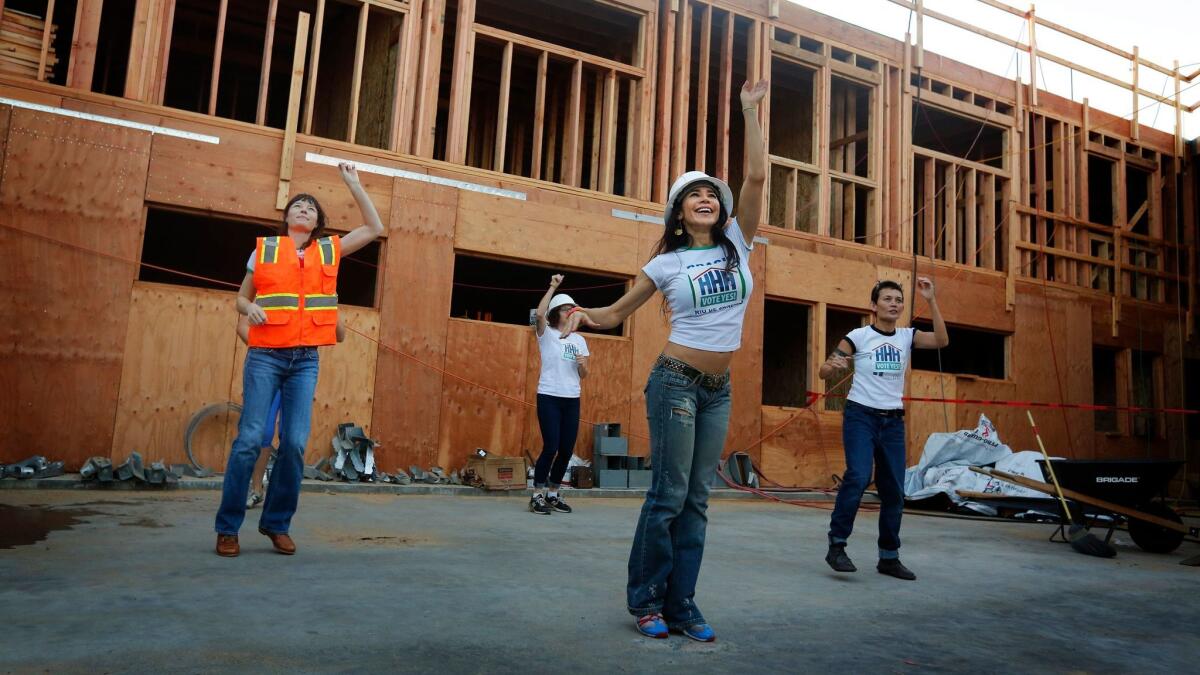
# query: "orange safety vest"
300,301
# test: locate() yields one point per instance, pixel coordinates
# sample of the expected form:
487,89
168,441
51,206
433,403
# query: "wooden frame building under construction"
146,143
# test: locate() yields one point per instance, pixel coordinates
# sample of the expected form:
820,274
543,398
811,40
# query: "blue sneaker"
700,632
652,625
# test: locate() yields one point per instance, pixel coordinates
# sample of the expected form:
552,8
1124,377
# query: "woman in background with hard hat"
701,265
564,364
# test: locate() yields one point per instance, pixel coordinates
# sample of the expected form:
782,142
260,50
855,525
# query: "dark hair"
318,231
553,316
880,285
673,242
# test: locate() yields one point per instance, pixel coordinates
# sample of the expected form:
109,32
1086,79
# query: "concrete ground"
129,583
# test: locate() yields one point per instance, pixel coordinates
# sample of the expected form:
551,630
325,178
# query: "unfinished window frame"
613,74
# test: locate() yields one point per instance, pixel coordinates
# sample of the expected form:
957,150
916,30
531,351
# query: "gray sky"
1163,30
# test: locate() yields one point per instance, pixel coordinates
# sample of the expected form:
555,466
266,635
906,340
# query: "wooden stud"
502,106
987,222
360,45
664,108
1133,120
1039,186
632,160
428,77
539,114
552,140
408,58
725,98
597,119
264,77
823,95
313,62
48,25
929,210
970,217
573,131
1178,115
949,232
702,77
1031,17
789,218
460,86
679,116
608,133
83,44
288,156
216,69
159,91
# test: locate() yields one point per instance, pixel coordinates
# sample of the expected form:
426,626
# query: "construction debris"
33,467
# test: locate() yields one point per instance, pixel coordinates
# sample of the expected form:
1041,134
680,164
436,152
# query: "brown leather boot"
282,543
227,545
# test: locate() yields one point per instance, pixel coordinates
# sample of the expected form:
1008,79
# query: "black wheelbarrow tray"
1132,488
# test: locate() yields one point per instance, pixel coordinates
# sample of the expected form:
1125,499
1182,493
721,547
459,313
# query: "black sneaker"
558,504
538,505
838,560
894,568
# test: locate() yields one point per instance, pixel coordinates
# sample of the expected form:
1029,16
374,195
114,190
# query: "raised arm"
614,314
939,337
749,204
544,305
372,226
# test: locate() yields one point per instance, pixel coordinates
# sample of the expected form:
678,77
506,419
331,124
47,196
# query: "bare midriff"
713,363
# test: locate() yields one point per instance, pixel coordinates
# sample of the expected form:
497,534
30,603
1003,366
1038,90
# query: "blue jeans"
687,433
293,373
558,417
269,431
869,437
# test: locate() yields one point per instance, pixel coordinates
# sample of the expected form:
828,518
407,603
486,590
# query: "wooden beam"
264,77
1178,115
216,69
429,77
970,217
83,44
288,156
928,213
502,106
1031,18
539,115
573,131
460,86
789,217
360,46
664,107
47,26
701,148
571,54
725,99
597,118
1133,120
313,63
608,133
679,116
987,222
166,30
950,213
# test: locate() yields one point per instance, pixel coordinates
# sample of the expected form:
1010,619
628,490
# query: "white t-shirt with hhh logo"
880,361
707,302
560,370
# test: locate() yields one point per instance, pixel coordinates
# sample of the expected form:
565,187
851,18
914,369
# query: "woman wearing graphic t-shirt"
564,364
701,265
873,421
289,297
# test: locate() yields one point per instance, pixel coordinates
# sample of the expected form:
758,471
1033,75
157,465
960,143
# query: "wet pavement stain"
145,522
25,525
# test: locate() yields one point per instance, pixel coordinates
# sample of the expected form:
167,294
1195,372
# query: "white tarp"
945,464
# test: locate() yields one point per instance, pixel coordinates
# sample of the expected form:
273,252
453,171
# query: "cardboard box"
499,473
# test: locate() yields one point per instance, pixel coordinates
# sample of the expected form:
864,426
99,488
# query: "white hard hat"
560,300
689,179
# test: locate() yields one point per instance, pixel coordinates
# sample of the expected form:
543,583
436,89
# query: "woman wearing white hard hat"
701,265
564,364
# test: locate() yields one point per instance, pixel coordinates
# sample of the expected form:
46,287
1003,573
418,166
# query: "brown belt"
706,380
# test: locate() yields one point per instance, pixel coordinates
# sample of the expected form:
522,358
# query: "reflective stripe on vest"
315,301
272,301
325,245
270,250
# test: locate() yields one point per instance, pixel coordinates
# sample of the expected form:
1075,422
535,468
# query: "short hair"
880,285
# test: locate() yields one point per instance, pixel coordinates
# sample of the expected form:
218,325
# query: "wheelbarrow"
1130,488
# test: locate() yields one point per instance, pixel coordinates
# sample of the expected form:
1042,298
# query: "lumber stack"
21,38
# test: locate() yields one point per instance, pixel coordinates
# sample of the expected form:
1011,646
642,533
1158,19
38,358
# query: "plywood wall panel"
806,451
239,176
649,327
922,419
745,416
66,309
494,356
179,357
416,282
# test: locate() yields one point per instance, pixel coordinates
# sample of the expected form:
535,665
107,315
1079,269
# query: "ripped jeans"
687,433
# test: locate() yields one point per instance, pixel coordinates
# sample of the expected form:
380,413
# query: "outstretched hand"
556,280
752,95
574,320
